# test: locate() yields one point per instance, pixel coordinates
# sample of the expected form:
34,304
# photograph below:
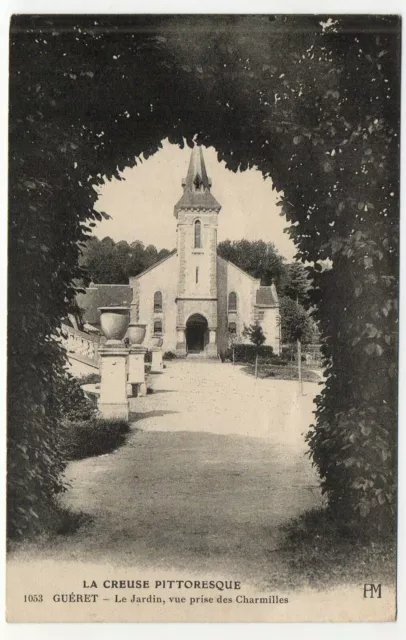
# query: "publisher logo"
372,590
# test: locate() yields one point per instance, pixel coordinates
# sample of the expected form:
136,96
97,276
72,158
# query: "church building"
194,299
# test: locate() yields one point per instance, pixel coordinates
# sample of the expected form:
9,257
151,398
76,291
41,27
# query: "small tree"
295,321
256,335
295,283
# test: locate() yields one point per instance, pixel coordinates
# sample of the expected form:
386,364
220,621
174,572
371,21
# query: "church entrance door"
196,333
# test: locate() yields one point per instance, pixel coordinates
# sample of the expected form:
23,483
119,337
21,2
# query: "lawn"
319,552
281,372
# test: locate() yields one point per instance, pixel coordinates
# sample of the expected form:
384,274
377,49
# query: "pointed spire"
197,185
197,174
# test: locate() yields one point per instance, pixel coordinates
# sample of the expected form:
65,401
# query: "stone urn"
136,332
156,341
114,323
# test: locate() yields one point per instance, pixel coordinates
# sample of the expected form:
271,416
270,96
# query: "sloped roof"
197,185
238,268
103,295
267,296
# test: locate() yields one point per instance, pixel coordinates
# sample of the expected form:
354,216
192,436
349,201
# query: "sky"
142,205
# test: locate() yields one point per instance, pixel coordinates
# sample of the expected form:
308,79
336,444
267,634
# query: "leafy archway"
313,106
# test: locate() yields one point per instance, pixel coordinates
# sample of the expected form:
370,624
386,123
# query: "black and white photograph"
202,333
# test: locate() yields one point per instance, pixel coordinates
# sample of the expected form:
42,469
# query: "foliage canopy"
317,109
296,323
258,258
109,262
255,334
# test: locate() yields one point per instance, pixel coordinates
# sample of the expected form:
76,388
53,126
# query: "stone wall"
176,309
268,319
164,278
202,284
232,279
135,305
188,307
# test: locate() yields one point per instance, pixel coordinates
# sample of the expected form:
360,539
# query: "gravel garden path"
215,464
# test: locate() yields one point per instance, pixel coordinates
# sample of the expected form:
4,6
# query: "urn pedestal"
136,371
136,365
157,364
113,403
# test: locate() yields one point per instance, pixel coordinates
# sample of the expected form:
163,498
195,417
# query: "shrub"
288,351
169,355
91,378
247,352
94,437
73,404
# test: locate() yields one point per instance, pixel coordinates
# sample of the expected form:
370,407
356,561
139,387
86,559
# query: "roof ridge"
104,284
239,269
154,265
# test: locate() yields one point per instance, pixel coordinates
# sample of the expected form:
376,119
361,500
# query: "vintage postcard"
203,318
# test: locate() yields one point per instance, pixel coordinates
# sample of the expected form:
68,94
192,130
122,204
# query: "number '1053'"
33,598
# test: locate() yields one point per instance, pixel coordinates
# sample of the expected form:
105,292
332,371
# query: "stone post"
157,363
136,373
136,365
212,346
180,342
113,401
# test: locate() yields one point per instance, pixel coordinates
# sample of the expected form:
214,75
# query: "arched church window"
198,234
157,301
232,301
157,326
232,327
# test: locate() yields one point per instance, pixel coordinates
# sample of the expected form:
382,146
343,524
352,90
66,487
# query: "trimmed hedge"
248,352
95,437
353,197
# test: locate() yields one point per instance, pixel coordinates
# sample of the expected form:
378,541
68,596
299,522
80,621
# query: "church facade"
194,299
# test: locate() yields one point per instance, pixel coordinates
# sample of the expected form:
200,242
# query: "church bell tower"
197,213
